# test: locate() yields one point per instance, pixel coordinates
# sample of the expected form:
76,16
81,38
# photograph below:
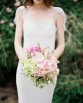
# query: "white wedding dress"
43,33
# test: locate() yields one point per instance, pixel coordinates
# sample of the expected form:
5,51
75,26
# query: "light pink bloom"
18,3
34,49
9,10
45,67
38,57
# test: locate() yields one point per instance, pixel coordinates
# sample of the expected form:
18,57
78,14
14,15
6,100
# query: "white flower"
2,21
11,24
38,57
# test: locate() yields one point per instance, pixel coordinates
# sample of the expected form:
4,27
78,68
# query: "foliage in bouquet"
39,66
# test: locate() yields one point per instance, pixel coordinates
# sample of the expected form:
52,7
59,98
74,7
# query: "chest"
37,22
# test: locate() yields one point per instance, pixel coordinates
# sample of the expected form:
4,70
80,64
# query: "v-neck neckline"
49,23
41,22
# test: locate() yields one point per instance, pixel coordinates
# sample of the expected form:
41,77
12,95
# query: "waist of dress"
35,43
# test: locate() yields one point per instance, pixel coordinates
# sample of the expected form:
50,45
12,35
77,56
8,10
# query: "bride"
37,21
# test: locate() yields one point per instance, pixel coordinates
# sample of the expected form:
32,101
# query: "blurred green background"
70,81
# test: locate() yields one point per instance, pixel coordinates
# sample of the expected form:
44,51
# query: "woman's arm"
18,35
60,36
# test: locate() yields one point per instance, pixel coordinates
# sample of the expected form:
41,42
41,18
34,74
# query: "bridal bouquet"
39,66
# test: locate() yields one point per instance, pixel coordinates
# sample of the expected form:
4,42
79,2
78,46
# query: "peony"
46,66
11,24
38,57
2,21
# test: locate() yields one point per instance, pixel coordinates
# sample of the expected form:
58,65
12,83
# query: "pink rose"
38,57
46,66
34,49
18,3
9,10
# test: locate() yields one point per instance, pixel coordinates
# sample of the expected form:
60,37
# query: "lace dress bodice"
43,33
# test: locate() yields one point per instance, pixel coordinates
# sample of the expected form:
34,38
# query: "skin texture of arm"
60,37
18,36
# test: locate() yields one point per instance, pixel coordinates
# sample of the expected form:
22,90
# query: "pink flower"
38,57
46,66
18,3
9,10
34,49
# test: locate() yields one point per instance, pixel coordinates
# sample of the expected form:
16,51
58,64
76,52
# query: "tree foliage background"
70,81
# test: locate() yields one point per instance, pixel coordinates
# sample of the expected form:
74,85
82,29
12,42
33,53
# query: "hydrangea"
39,68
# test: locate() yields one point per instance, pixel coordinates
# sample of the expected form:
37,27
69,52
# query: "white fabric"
60,10
33,34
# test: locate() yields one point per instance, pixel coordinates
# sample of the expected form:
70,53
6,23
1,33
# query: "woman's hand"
53,57
23,53
49,54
